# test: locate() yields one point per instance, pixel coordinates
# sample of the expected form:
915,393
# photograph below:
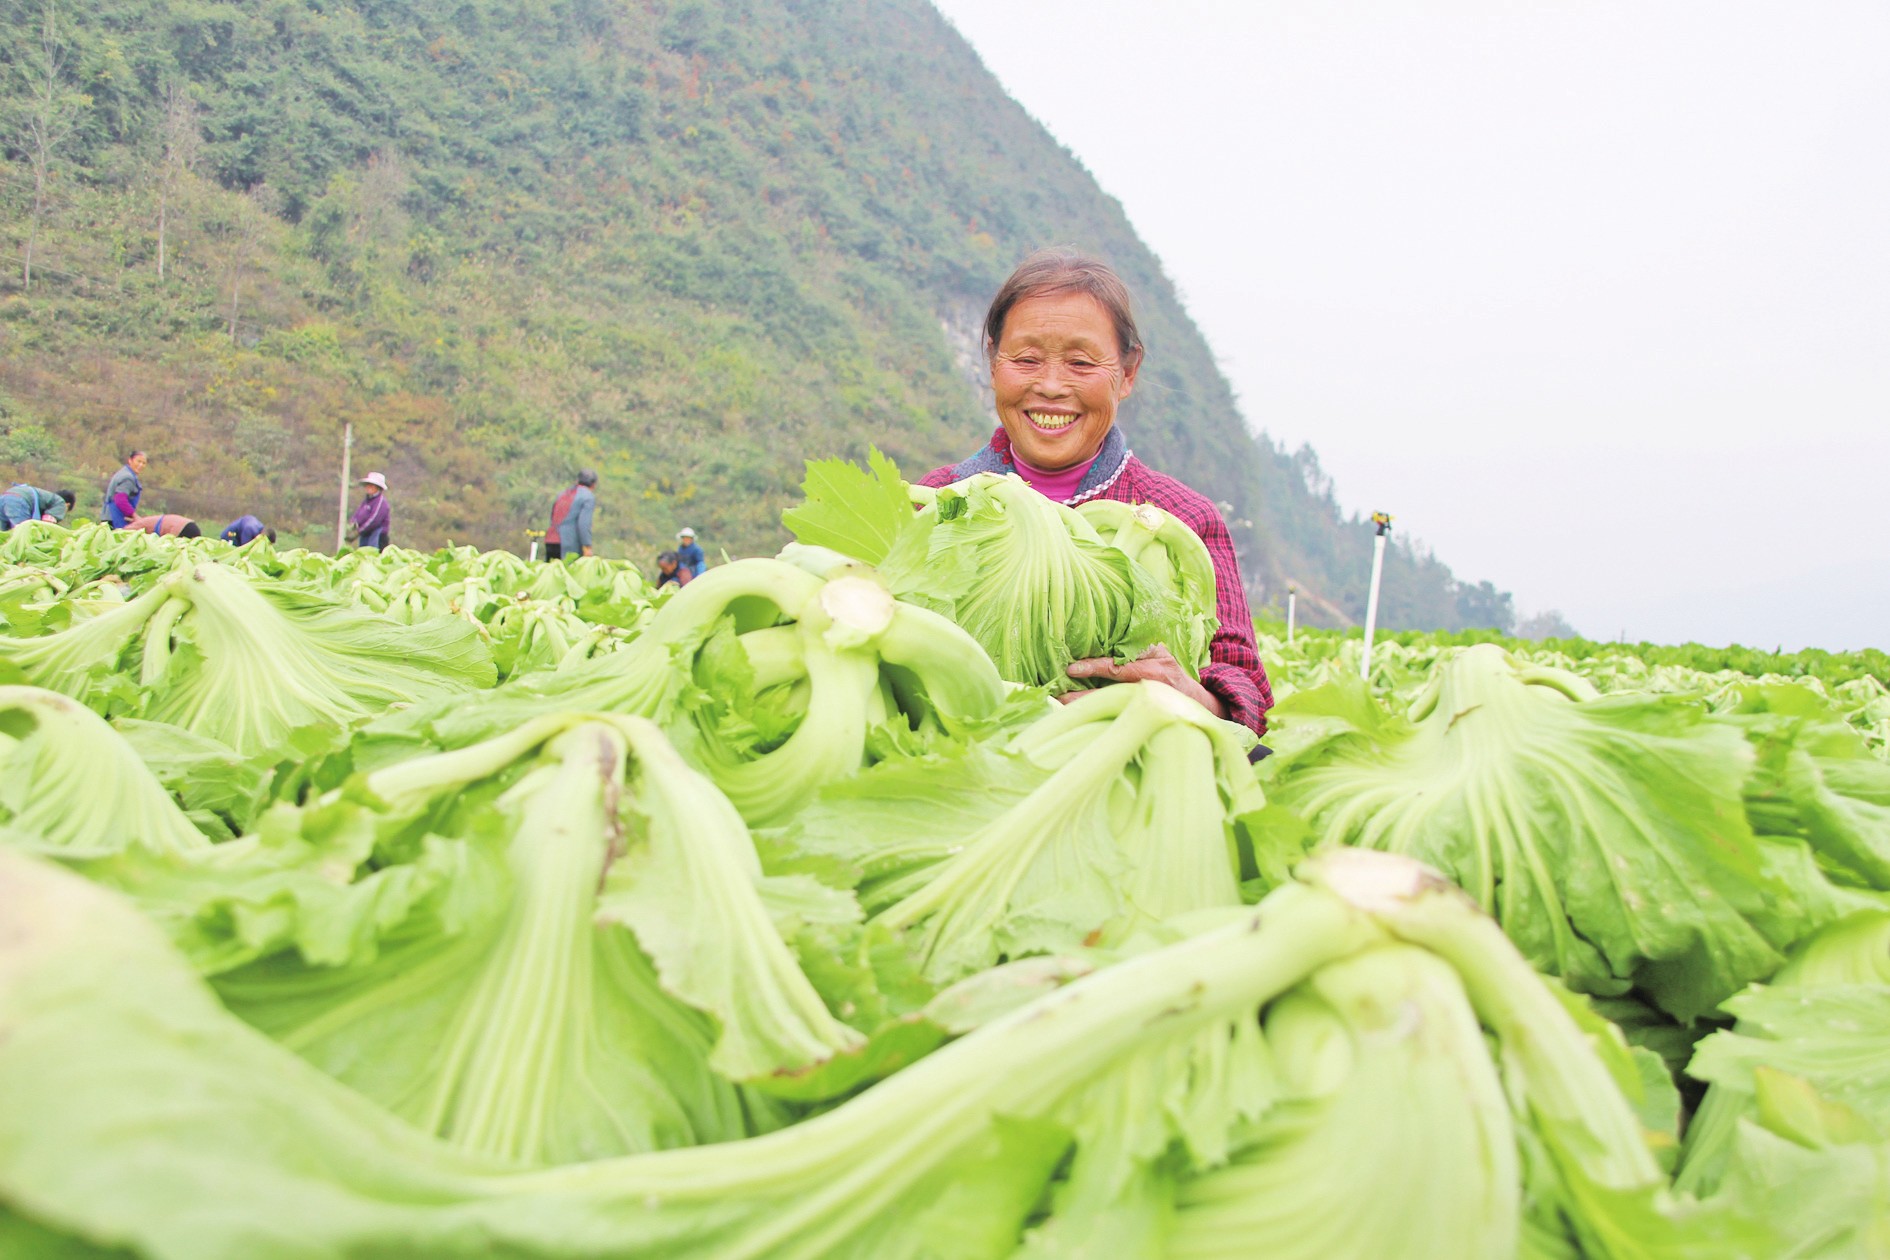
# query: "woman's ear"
1129,368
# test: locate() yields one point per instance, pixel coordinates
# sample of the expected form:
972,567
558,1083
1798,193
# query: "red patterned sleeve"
1234,672
937,477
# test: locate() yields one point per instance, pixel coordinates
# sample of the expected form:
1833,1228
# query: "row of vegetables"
790,914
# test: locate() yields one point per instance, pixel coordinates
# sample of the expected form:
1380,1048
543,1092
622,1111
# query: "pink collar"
1060,485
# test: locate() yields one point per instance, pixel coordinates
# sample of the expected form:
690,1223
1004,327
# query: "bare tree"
43,119
377,200
260,204
180,140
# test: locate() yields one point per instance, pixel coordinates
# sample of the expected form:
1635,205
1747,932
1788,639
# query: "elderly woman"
1064,353
373,518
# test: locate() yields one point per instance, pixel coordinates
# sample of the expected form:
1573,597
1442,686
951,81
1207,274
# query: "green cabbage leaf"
1033,581
1607,834
583,964
264,668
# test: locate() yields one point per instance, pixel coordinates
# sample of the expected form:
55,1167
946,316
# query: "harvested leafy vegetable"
1608,836
261,668
536,1006
71,787
1806,1065
1030,579
313,942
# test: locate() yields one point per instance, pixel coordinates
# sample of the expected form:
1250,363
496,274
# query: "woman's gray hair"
1060,269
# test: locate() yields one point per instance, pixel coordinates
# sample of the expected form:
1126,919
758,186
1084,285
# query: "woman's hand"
1157,664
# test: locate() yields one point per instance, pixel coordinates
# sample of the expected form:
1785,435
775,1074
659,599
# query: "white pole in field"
347,459
1292,599
1383,521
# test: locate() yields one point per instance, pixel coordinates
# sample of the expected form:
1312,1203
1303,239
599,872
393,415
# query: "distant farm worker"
372,519
1062,345
24,503
124,490
670,569
570,529
688,555
245,530
166,525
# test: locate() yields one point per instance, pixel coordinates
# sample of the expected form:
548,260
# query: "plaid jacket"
1234,672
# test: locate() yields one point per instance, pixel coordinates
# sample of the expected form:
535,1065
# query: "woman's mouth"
1051,421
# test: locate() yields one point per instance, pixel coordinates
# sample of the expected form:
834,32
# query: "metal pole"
1383,521
1292,599
347,460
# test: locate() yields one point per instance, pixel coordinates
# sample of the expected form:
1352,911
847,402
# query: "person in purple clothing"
1061,342
372,518
124,490
246,529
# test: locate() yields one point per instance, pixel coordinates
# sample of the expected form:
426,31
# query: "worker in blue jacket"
24,503
246,529
688,555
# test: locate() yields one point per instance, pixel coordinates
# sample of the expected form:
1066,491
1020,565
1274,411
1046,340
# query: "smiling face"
1058,375
137,462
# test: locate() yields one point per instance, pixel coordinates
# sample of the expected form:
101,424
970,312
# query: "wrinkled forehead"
1059,320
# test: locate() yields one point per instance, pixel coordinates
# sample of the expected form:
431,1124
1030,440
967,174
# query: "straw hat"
374,479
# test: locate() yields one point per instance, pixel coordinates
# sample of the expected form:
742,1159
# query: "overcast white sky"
1593,296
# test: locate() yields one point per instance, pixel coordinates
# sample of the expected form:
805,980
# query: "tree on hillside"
1548,624
41,109
179,141
260,204
1483,606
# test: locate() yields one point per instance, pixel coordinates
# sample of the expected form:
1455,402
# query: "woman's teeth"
1044,420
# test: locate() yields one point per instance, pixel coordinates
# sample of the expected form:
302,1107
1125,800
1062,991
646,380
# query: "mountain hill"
689,244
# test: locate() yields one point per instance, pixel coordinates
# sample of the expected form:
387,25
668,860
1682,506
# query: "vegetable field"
439,905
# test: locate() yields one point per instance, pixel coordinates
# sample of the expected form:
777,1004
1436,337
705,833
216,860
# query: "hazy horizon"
1594,298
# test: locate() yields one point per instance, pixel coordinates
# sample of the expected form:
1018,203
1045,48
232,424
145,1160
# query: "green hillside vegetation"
690,244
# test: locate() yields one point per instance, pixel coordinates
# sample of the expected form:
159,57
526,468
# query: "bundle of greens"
1175,557
1031,580
1796,1124
71,787
1607,835
261,667
1104,816
581,959
770,679
1815,781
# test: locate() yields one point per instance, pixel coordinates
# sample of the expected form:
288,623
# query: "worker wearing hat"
688,555
372,519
